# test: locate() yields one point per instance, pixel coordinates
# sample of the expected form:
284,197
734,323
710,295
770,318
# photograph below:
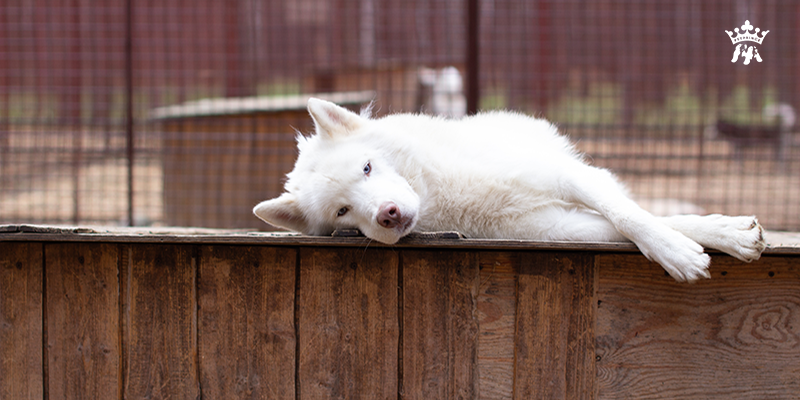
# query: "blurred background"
184,112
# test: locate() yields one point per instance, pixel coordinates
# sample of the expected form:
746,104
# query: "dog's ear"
282,212
331,119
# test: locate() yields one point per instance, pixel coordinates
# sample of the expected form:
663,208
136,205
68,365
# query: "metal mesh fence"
184,112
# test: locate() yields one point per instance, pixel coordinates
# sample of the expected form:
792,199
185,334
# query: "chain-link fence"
184,112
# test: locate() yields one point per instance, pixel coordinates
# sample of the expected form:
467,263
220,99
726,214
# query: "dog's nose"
389,215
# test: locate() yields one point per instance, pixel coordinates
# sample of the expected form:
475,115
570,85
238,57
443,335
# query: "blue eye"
367,168
342,211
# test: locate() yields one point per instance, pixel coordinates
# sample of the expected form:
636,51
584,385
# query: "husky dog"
492,175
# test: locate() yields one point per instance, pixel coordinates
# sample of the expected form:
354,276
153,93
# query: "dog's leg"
741,237
576,225
597,189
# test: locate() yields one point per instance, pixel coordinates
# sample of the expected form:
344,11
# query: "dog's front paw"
746,239
680,256
741,237
685,264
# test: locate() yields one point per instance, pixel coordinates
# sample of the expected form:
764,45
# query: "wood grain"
467,324
246,322
83,330
496,312
21,372
160,310
347,324
555,327
735,336
440,327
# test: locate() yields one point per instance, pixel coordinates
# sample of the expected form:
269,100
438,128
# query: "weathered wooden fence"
104,316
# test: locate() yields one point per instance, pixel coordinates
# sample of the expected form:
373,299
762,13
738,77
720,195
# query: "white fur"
493,175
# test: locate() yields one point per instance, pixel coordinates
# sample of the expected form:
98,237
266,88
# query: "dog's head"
345,177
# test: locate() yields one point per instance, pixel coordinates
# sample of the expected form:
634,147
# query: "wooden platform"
90,313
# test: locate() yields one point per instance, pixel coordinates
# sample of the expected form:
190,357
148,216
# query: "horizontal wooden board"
735,336
784,243
211,236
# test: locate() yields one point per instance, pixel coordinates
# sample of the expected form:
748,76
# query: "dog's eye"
342,211
367,168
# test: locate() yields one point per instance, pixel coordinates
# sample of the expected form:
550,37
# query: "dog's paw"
680,256
686,263
747,240
741,237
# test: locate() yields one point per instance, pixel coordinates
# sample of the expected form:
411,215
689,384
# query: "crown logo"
745,35
746,52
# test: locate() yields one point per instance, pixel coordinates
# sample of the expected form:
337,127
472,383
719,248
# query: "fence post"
129,102
472,61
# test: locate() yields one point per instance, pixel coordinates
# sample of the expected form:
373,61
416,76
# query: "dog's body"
494,175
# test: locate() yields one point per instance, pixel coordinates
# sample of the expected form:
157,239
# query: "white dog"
493,175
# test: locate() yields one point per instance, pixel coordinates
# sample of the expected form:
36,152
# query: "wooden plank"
83,331
440,327
555,327
785,246
246,331
21,372
735,336
282,239
496,308
160,343
347,323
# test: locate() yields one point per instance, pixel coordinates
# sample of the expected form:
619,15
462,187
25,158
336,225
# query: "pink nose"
389,215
